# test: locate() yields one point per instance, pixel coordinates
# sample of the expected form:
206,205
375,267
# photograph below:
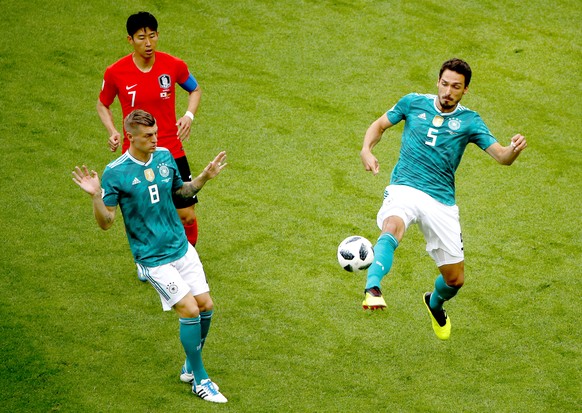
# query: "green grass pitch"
289,89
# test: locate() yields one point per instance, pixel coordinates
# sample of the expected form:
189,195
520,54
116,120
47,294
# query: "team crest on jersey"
454,124
438,121
165,81
149,174
164,170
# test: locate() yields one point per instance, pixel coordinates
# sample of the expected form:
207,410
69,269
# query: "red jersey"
152,91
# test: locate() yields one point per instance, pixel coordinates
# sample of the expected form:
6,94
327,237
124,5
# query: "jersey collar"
443,113
137,161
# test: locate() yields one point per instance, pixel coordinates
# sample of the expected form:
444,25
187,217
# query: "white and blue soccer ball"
355,253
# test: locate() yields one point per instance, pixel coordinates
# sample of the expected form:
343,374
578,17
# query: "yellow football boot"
442,327
373,299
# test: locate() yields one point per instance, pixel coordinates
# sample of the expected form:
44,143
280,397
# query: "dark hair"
141,20
138,117
459,66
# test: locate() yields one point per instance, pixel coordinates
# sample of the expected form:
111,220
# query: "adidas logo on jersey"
422,116
136,181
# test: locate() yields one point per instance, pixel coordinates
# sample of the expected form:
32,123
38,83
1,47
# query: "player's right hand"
114,141
370,162
87,180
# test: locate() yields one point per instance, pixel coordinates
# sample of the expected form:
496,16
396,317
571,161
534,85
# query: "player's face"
144,141
451,88
144,42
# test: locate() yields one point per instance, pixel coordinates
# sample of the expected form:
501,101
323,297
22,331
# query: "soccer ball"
355,253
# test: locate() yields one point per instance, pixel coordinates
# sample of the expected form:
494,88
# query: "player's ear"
130,39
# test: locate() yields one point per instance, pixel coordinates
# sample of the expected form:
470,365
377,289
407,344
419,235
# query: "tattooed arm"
189,189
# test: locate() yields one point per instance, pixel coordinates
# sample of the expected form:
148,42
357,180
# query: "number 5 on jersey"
432,135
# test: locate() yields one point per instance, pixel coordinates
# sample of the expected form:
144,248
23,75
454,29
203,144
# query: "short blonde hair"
138,117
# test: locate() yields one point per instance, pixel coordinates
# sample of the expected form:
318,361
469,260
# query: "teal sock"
205,319
442,292
191,341
383,256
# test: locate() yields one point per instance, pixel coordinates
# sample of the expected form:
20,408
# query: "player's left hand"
184,124
216,166
518,143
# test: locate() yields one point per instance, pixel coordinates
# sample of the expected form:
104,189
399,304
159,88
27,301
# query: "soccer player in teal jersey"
142,182
422,186
147,79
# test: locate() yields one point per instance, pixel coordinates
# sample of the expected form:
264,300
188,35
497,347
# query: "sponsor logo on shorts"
172,288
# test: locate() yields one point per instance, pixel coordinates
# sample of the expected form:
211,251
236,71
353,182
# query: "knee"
188,311
205,304
457,281
187,307
454,274
395,226
188,221
187,216
207,308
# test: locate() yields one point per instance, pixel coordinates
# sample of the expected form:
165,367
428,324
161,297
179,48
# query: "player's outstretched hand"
87,181
216,166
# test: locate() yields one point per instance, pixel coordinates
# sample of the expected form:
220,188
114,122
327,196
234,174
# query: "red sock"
192,232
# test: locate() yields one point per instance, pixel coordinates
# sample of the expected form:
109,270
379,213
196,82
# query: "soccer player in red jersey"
146,79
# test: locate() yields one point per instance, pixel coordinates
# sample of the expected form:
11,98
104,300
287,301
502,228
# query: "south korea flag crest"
165,81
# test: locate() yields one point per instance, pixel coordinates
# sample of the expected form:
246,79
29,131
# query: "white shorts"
439,223
176,279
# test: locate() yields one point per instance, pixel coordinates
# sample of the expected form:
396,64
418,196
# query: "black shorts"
186,175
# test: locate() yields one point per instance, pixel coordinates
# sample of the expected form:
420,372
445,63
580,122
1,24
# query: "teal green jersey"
433,144
143,192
